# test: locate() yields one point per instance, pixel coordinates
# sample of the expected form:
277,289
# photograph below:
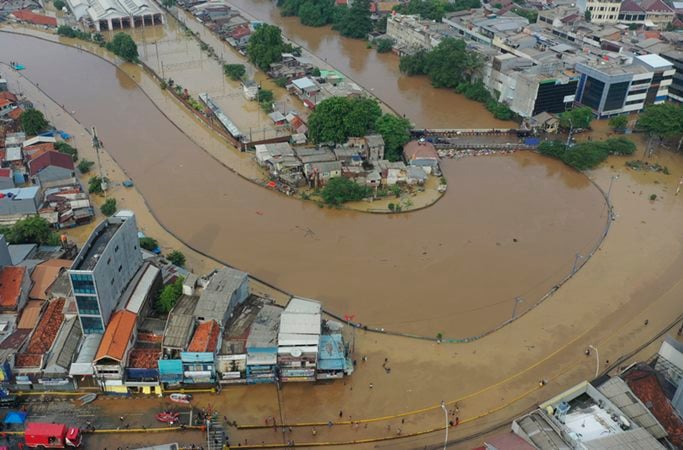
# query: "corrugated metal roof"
64,347
215,299
293,339
83,363
180,321
264,329
142,289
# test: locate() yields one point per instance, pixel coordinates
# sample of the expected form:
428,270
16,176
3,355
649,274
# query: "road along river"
508,226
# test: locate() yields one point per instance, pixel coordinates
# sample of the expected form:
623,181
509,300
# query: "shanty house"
422,154
262,346
199,361
51,166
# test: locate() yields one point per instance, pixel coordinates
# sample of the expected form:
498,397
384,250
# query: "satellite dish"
295,352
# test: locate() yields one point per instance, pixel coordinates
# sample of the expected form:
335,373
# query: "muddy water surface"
378,73
508,226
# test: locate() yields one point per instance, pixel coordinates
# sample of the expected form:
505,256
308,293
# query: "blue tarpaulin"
15,417
532,141
52,133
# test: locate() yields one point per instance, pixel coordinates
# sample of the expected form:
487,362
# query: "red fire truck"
51,435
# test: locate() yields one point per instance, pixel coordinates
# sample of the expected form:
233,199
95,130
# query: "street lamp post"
445,413
609,192
597,360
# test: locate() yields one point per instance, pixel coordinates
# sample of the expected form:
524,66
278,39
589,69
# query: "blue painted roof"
21,193
331,347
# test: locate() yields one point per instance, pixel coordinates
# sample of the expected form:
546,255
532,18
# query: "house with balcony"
112,354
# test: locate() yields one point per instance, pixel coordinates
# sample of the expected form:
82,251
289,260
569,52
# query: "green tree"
33,122
63,147
84,166
664,121
335,119
108,208
123,46
355,22
95,185
148,243
31,230
576,118
59,4
266,46
235,71
384,45
618,123
170,294
316,13
587,16
168,3
620,146
177,258
585,155
554,149
415,64
339,190
396,133
447,65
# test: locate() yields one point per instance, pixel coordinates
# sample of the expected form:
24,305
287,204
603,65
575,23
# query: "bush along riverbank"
451,65
589,154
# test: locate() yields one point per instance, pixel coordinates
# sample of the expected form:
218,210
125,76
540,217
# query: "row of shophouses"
97,327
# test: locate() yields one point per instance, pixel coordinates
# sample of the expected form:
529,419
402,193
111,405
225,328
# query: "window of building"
108,261
616,96
592,92
82,284
120,267
634,102
92,325
112,281
87,305
116,249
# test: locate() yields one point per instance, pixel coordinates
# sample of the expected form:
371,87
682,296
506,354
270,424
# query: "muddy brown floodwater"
507,227
413,96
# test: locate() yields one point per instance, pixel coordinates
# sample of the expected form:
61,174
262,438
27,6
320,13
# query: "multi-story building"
410,33
298,339
612,88
676,88
103,268
601,11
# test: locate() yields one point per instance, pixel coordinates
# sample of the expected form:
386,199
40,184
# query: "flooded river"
378,73
507,227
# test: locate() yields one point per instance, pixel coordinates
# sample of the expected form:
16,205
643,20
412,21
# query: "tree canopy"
337,118
396,133
266,46
108,208
588,154
618,122
354,22
123,46
447,65
148,243
170,294
664,121
576,118
33,122
31,230
340,190
435,9
234,71
177,258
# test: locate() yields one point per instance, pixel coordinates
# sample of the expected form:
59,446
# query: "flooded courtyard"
508,227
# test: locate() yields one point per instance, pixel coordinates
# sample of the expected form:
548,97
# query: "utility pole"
518,300
97,144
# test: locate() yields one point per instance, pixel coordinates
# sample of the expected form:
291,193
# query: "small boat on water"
87,398
181,398
168,417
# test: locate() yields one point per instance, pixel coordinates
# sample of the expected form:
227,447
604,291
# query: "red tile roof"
240,31
8,96
28,360
656,6
11,278
15,114
341,2
630,6
5,173
144,358
4,102
37,19
117,336
30,315
34,151
150,337
47,328
205,337
422,150
644,383
50,159
15,340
